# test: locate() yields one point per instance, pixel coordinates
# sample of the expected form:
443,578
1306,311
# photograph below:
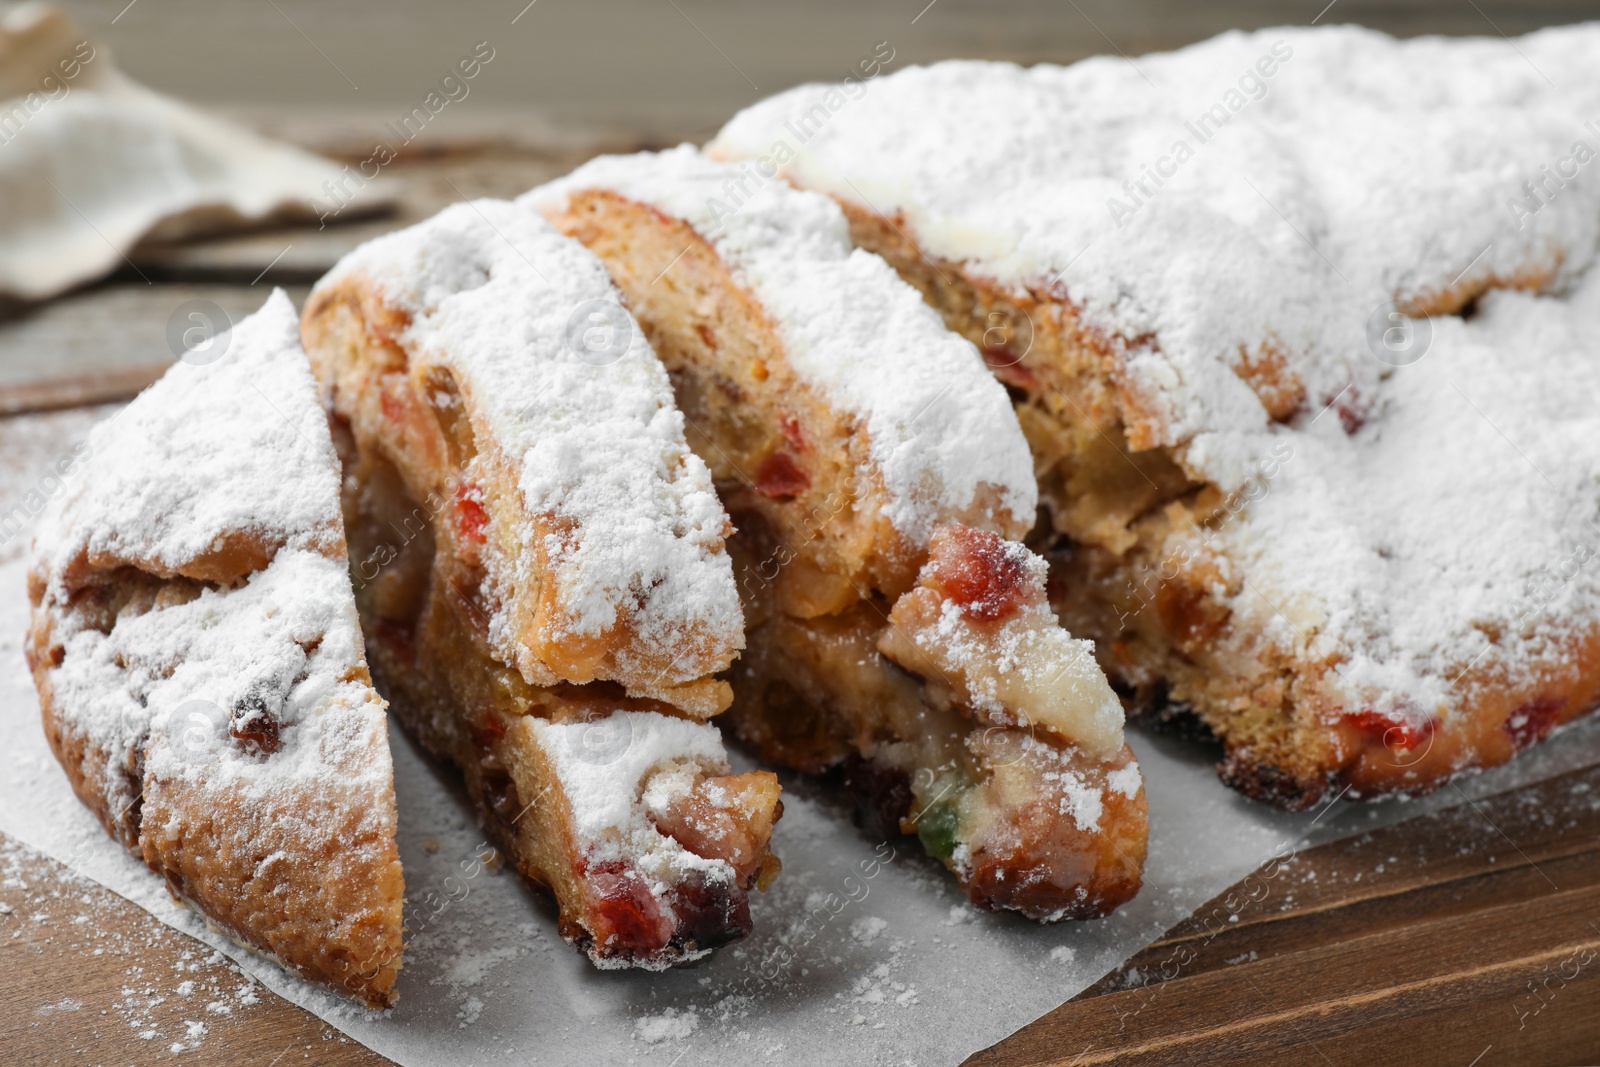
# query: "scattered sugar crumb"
65,1004
879,986
670,1025
152,1010
868,929
194,1032
1063,954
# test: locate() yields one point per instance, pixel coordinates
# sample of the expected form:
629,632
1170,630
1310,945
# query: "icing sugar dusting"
1028,667
939,425
1126,780
1452,542
287,639
670,1025
621,773
1298,191
238,446
1021,669
493,292
241,445
603,779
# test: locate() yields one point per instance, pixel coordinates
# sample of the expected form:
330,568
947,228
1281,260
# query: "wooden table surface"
1470,937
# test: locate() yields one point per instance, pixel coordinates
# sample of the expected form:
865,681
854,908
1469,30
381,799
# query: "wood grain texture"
80,390
1470,936
105,340
88,978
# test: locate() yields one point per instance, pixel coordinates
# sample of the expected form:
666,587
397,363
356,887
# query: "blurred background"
673,68
557,82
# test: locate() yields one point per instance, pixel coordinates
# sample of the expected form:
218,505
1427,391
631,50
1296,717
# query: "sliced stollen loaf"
874,471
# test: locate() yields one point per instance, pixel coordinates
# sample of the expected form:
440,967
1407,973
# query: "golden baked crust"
1288,740
774,443
430,655
323,901
352,333
1097,469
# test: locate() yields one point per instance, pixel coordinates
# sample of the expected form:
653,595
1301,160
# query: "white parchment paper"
864,951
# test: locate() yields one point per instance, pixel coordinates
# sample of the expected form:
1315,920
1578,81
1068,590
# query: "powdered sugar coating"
1126,780
1084,802
1361,169
1452,543
1029,671
493,291
239,445
1016,669
939,426
165,681
604,788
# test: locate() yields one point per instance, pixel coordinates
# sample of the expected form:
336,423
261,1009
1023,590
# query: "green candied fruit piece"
939,822
937,827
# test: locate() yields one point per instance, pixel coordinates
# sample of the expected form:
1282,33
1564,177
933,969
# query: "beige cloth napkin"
92,162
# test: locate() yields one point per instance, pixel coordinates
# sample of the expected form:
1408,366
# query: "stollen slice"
539,560
199,661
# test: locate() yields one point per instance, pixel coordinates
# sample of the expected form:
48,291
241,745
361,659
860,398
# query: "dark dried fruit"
254,726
